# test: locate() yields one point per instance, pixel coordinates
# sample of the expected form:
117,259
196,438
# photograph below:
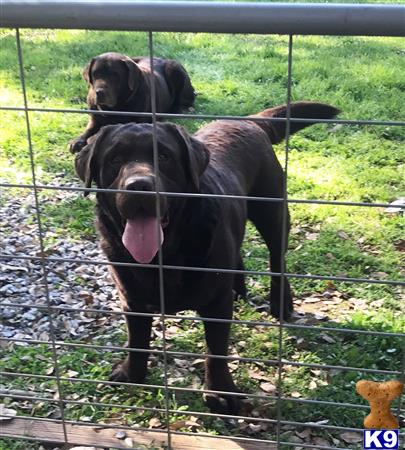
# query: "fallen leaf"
325,337
198,362
85,419
257,375
312,385
304,434
255,428
184,424
351,437
268,387
72,373
321,441
320,316
312,300
50,370
155,423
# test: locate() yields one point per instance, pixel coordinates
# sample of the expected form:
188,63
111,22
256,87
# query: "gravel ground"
72,285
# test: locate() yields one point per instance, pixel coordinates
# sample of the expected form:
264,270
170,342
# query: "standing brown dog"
223,158
119,83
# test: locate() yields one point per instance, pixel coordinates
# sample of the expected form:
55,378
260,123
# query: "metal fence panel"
262,18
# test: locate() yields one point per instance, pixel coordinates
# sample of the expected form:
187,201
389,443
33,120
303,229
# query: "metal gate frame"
252,18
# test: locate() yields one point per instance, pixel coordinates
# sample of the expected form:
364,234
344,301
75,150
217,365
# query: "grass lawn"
236,75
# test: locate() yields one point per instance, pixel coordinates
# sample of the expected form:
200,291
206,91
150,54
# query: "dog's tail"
299,110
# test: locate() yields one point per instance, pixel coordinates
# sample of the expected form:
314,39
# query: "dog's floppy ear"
134,74
87,71
85,160
197,154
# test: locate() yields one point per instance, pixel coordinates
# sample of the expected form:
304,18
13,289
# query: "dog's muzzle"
143,233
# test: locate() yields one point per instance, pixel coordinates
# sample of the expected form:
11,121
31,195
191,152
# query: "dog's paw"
223,404
122,374
76,145
276,311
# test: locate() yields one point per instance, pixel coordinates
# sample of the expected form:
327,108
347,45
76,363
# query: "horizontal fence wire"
182,389
353,14
14,393
207,269
274,362
241,322
189,413
196,195
193,116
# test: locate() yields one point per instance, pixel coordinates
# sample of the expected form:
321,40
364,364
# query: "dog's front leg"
217,375
93,126
133,368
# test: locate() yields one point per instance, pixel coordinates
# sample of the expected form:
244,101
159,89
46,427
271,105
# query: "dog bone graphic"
380,395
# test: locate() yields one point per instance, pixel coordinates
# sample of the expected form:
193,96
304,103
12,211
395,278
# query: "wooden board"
102,436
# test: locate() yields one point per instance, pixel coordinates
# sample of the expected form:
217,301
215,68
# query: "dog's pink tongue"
142,238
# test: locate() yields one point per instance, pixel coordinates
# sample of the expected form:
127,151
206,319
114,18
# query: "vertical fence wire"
284,237
160,251
40,234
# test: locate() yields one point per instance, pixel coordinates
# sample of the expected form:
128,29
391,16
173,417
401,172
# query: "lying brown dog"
119,83
224,157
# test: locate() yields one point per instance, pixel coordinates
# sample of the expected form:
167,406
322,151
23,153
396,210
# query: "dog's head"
113,78
122,157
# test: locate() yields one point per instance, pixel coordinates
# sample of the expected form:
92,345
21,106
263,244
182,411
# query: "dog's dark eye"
163,157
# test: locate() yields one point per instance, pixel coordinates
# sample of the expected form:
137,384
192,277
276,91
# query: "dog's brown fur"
119,83
225,157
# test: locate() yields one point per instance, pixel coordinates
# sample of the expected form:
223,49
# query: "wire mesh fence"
63,381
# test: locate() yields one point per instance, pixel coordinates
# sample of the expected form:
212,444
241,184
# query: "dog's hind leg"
268,219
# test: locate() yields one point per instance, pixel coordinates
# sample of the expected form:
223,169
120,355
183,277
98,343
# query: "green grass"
237,75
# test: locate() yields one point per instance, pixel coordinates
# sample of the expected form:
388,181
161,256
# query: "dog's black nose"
140,184
100,94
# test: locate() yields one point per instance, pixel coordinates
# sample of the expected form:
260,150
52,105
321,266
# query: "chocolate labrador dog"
119,83
225,157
